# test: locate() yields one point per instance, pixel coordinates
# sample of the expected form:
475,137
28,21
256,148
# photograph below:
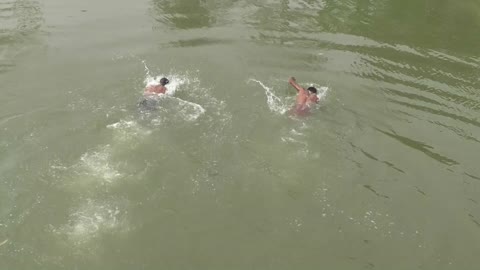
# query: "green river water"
384,174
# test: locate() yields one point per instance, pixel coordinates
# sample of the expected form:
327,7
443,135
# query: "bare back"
155,89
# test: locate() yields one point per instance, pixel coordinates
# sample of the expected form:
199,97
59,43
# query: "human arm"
293,82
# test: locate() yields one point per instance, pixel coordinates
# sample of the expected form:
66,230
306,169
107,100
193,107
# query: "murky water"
217,175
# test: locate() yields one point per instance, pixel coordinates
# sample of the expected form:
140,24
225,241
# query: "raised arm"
294,83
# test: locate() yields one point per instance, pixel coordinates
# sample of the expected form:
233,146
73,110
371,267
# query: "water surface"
383,175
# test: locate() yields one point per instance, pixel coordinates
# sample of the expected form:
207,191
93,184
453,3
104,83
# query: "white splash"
191,111
321,91
91,219
295,132
126,130
275,104
97,164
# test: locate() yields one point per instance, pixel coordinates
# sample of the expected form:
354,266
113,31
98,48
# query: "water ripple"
420,146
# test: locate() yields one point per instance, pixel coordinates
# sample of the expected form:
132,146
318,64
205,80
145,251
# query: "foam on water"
98,164
190,110
128,130
91,219
170,108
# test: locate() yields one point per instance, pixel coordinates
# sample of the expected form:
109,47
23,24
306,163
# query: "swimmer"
157,89
149,102
306,99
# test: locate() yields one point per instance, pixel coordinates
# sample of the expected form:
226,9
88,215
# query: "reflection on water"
183,14
439,25
19,20
421,147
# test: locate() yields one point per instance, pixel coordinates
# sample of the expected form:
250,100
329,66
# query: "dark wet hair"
312,89
164,81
